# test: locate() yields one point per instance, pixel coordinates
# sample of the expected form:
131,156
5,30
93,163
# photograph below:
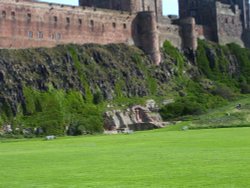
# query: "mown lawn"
158,159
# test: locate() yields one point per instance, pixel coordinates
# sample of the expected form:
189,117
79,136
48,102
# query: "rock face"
100,73
135,118
111,71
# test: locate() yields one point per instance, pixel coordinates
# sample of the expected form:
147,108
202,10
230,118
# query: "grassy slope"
227,116
160,158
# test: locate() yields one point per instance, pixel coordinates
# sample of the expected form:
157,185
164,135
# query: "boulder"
134,118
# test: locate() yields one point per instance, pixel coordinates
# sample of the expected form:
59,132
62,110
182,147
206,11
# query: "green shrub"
202,59
176,55
223,91
182,107
245,88
98,98
58,109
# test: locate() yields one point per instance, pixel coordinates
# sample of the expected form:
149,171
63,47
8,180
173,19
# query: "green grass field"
159,159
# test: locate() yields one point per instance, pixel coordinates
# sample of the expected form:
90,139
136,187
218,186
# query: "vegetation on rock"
68,87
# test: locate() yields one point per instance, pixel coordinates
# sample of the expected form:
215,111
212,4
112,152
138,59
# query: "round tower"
188,33
148,37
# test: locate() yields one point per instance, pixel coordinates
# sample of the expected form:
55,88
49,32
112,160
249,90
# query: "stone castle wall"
221,21
123,5
26,24
29,23
126,5
147,35
229,24
170,32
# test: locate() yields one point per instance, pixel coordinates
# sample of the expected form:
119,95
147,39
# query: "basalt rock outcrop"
110,70
135,118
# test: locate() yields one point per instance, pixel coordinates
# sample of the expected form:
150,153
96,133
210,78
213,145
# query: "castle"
29,23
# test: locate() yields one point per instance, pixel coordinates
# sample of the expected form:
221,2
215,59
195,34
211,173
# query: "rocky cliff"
112,74
112,70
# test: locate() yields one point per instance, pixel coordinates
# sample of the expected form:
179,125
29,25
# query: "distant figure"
238,106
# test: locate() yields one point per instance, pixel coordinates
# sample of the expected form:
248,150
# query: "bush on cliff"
55,110
182,107
228,65
176,55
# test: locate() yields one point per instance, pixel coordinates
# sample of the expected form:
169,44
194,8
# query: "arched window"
103,28
28,17
68,20
226,20
80,21
124,26
4,14
92,24
55,19
13,15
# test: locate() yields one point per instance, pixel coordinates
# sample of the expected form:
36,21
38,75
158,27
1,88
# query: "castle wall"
204,13
29,23
204,32
153,5
229,24
147,33
124,5
189,35
171,33
26,24
202,10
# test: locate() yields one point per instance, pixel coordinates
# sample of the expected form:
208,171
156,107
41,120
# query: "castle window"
30,34
52,36
92,24
3,14
233,21
226,20
114,25
40,34
80,21
28,17
103,28
124,26
13,15
68,20
148,8
58,36
55,19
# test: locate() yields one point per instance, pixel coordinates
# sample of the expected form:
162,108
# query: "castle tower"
244,7
123,5
126,5
147,34
203,11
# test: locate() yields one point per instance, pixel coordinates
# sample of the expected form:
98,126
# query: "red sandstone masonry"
26,24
